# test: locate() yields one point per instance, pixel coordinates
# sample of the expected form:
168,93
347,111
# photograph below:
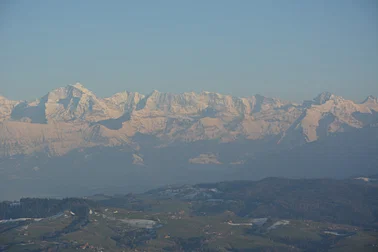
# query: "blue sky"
288,49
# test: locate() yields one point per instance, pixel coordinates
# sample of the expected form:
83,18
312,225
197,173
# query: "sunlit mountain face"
73,117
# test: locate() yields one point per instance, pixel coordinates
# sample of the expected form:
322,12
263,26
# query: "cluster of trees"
129,201
41,208
189,244
134,238
324,244
80,220
346,201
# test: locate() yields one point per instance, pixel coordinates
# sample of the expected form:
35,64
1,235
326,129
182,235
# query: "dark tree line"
345,202
42,208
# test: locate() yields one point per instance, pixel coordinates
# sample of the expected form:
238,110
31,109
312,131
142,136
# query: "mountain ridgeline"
73,117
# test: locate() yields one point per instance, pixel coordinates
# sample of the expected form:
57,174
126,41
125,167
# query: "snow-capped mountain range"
73,117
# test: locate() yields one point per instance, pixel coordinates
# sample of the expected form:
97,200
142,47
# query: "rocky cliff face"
73,117
71,103
330,114
6,108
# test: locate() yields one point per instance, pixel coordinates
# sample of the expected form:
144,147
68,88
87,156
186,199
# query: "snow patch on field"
279,223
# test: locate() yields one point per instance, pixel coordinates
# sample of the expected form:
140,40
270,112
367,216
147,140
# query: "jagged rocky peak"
260,99
78,85
125,96
4,100
71,96
191,103
75,102
119,97
261,103
6,107
370,99
124,101
324,97
70,91
203,103
186,103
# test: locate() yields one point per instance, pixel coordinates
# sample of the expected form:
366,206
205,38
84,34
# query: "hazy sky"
288,49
